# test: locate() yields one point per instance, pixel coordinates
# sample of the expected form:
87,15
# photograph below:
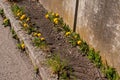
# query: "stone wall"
98,23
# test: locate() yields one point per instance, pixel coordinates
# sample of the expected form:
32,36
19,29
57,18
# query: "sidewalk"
14,65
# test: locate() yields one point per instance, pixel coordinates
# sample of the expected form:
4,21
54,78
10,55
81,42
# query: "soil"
84,69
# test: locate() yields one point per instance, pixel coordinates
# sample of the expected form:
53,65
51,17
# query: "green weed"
95,57
36,69
110,73
39,42
6,22
16,9
14,35
59,67
21,46
66,28
2,13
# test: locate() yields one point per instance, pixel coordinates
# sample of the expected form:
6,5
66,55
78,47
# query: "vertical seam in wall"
75,16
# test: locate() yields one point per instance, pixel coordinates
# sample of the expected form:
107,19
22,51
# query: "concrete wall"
65,8
98,23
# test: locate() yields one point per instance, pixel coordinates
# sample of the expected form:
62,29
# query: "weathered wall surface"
98,23
65,8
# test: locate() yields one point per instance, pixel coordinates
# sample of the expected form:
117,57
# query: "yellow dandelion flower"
28,19
42,39
25,25
67,33
55,19
18,14
5,20
22,17
75,36
53,14
56,22
56,14
79,42
23,46
38,34
35,34
46,16
18,11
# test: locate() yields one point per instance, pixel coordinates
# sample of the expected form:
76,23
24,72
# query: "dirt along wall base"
98,23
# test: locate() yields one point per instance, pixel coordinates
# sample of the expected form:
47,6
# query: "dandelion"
55,19
23,46
22,17
35,34
75,36
28,19
42,39
79,42
53,14
18,14
56,22
56,14
38,34
67,33
18,11
5,20
25,25
46,16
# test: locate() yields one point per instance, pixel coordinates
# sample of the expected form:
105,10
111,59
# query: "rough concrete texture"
14,65
36,55
98,23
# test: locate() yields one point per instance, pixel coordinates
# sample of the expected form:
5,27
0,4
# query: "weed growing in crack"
36,69
21,46
27,25
2,13
25,21
95,57
28,28
110,73
59,67
66,28
55,18
74,39
40,42
84,47
17,11
6,22
14,35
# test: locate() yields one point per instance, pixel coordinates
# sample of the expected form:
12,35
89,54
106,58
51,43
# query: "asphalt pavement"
14,64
